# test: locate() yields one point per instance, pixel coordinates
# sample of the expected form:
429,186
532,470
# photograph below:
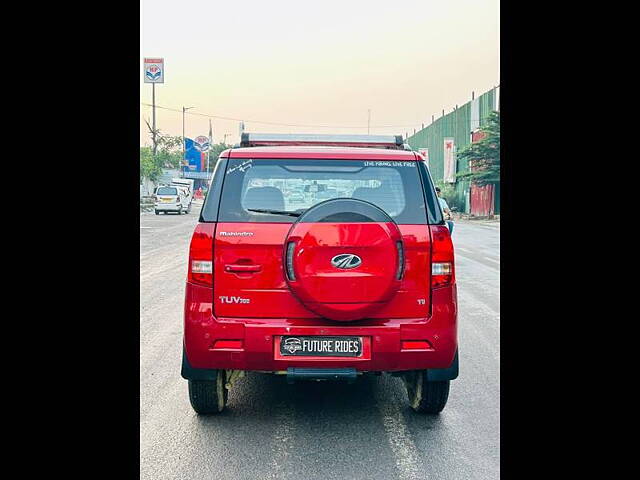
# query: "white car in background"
171,199
186,196
187,185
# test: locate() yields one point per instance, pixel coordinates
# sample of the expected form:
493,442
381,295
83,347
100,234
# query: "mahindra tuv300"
320,257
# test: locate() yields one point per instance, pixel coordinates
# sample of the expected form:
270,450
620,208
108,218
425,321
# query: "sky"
318,65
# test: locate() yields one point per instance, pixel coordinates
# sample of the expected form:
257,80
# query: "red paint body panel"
344,294
251,267
342,153
202,329
268,290
275,311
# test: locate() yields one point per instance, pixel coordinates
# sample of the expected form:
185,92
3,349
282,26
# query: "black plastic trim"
442,374
288,260
189,373
209,211
294,373
434,214
231,210
401,260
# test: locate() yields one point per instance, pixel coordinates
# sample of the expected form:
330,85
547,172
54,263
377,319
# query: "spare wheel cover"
343,259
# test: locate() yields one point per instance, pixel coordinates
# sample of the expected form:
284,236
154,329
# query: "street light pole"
184,109
209,149
153,102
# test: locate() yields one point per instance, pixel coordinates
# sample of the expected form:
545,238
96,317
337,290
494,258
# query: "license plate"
167,200
292,346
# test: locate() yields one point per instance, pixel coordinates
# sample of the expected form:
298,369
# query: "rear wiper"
275,212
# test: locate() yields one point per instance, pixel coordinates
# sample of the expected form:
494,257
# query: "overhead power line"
277,123
220,117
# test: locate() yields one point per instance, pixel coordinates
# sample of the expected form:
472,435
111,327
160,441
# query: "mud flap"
442,374
190,373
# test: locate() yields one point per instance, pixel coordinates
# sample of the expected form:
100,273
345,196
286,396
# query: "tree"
483,157
169,154
148,167
168,148
214,153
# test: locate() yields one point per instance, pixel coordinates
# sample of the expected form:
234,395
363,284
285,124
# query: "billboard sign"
449,160
193,157
154,70
202,143
475,114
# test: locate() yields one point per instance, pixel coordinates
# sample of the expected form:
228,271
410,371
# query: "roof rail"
393,142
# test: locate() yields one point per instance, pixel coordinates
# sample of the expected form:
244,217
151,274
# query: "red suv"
320,257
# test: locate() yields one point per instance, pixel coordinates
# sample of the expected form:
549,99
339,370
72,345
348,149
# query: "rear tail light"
442,262
441,268
201,255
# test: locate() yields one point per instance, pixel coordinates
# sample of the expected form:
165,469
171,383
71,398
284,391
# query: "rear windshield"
291,185
166,191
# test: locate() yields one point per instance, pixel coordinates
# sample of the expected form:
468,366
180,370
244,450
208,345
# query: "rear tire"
425,396
157,212
209,396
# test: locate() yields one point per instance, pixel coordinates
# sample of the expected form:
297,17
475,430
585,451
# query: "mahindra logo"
346,260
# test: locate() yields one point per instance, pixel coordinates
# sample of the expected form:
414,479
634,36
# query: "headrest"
264,197
384,198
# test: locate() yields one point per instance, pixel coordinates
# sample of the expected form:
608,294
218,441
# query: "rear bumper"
167,207
258,336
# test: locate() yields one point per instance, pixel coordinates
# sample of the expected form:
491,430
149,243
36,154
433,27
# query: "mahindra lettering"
320,257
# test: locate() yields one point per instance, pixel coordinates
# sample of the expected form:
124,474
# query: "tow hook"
232,376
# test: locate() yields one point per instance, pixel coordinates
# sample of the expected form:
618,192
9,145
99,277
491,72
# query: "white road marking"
282,440
491,260
404,450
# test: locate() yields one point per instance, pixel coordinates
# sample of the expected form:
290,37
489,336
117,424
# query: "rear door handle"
242,268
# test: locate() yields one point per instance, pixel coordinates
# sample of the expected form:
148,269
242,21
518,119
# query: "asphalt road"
317,430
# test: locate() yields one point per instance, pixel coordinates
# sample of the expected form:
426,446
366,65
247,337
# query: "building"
447,135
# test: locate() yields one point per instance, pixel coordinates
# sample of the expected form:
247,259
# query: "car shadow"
263,396
308,425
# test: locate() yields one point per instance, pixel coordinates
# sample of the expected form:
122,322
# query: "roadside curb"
149,208
467,216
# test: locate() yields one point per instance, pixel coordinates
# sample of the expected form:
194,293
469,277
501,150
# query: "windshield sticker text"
243,167
390,164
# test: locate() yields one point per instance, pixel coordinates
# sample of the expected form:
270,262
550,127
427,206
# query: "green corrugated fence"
457,125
